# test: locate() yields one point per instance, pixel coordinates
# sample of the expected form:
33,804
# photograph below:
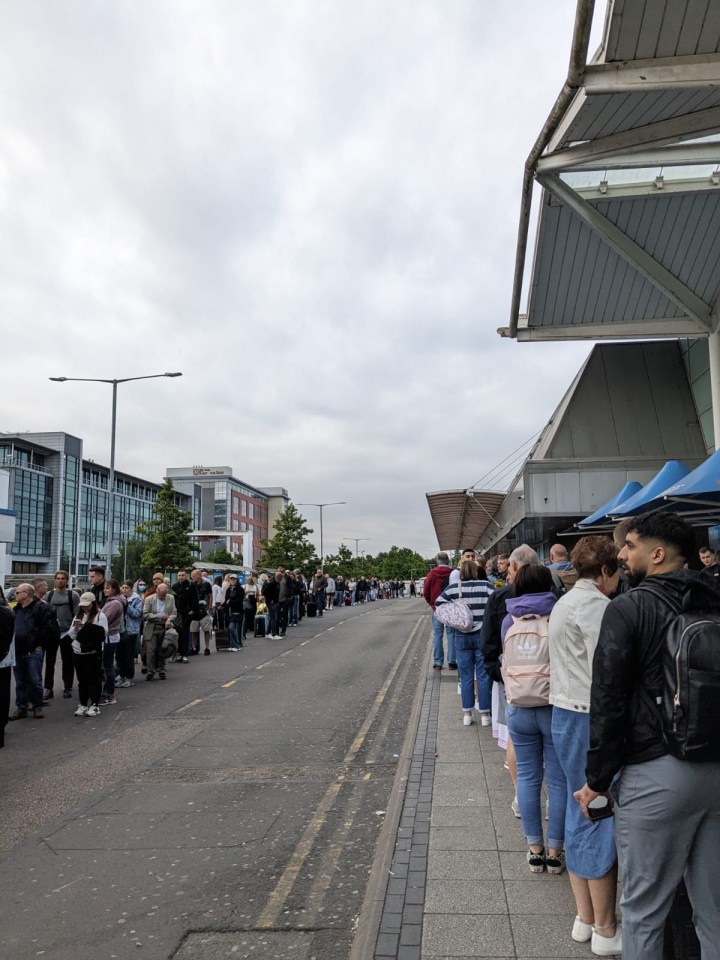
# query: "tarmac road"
231,811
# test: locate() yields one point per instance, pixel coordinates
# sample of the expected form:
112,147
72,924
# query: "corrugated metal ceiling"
643,29
579,279
459,518
602,115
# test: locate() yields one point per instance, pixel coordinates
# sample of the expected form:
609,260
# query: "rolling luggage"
348,601
311,608
260,625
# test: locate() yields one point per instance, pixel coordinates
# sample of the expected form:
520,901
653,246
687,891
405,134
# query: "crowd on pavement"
575,664
572,663
107,633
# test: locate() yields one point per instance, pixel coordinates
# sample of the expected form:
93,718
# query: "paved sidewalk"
460,884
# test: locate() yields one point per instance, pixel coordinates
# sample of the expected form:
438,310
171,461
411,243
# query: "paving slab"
550,896
461,865
463,838
465,897
467,936
458,794
538,936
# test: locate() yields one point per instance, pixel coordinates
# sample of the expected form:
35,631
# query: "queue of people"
574,652
107,635
104,637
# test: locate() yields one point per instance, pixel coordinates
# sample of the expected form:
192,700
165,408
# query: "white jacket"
573,633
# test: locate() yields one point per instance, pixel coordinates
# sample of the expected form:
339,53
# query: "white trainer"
606,946
581,931
468,720
93,710
485,720
81,710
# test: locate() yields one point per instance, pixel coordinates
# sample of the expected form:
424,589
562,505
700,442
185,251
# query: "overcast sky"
309,208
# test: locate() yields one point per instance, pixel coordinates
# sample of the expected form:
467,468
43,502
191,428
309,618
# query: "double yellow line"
278,898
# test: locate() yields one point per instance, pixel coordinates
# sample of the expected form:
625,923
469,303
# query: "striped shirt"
475,593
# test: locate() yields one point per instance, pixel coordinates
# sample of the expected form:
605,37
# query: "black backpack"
690,707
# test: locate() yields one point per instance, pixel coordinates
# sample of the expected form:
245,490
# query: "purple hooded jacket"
539,603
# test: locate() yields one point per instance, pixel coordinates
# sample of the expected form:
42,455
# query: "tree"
167,534
290,547
400,563
220,556
340,564
128,564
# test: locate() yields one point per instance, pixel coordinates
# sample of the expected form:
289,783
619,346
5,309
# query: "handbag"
456,614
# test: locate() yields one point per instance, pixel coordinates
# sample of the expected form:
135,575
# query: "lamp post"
335,503
357,541
111,483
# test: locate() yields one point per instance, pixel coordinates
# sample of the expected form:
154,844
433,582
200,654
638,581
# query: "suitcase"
311,608
348,601
260,626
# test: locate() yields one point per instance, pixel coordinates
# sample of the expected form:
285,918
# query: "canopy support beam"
668,73
689,126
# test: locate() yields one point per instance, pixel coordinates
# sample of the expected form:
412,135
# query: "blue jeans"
295,611
234,625
339,597
451,635
531,733
29,680
438,651
471,667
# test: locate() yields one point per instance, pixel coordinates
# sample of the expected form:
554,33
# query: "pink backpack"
526,662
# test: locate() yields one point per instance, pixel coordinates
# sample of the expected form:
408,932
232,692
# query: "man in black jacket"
35,626
271,596
185,601
97,585
667,811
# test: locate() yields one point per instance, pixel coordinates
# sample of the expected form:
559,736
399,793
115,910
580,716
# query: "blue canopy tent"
601,514
671,474
700,487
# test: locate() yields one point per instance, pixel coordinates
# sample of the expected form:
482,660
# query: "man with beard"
185,601
667,810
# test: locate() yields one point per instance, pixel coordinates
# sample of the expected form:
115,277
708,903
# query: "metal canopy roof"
628,240
460,517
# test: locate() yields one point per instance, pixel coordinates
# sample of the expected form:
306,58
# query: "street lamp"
357,541
111,484
335,503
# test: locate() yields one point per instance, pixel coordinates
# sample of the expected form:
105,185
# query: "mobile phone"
600,808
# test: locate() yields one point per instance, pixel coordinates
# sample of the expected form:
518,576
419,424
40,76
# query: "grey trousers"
667,824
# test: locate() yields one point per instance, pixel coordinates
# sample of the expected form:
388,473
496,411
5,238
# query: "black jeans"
125,656
248,619
88,667
64,644
283,614
184,634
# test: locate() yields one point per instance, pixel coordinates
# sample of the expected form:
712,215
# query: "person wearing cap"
88,633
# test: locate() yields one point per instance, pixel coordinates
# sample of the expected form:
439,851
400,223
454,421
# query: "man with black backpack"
655,725
64,602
